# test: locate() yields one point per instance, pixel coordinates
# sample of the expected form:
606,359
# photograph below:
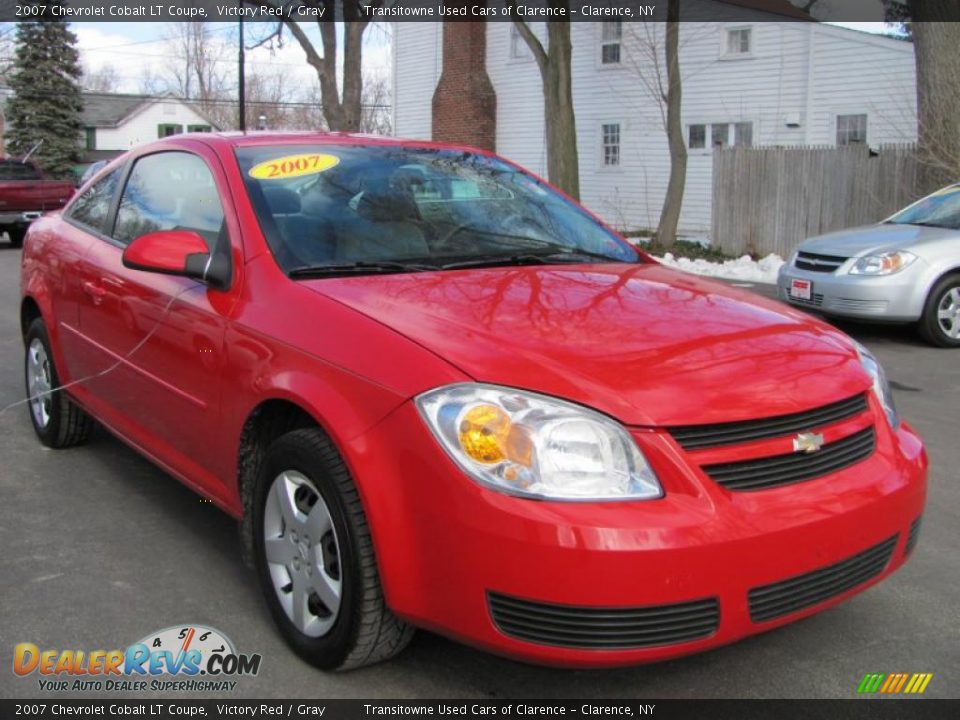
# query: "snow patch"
744,269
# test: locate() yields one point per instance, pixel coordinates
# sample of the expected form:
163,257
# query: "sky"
135,50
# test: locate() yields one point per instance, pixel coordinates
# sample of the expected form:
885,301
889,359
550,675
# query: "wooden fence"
766,200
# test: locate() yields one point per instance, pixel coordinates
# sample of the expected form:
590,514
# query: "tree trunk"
670,214
936,33
563,163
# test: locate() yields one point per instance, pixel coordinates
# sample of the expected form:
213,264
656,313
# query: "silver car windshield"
387,208
941,209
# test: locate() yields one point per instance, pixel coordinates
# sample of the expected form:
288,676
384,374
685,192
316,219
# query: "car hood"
643,343
867,239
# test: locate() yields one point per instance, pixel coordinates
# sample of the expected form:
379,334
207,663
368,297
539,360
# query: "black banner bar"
431,10
499,709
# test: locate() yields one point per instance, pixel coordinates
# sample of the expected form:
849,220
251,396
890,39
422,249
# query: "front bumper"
893,298
446,545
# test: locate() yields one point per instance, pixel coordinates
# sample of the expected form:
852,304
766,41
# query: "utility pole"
242,82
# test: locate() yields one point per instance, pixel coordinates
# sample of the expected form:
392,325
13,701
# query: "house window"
611,144
720,134
168,129
743,134
519,50
91,138
739,41
199,128
610,39
851,129
697,139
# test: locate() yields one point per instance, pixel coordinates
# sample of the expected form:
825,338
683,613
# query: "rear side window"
169,191
92,207
13,170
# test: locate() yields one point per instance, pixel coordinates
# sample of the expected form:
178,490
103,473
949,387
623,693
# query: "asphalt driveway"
100,548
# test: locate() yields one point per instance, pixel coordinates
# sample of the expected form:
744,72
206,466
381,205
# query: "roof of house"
108,109
111,109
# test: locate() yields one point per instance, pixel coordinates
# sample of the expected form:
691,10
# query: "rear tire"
57,420
940,323
16,236
320,582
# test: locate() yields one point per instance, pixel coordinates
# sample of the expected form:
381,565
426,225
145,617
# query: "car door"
158,339
83,222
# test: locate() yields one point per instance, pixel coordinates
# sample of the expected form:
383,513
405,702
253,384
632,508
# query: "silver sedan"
905,269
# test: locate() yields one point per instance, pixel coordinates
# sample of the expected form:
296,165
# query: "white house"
114,123
776,82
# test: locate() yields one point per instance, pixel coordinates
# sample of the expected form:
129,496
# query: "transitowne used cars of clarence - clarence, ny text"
438,393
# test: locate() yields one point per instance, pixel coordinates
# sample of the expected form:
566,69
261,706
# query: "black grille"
818,263
777,470
604,628
803,591
913,536
694,437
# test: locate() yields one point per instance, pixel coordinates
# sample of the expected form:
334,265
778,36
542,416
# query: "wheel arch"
29,311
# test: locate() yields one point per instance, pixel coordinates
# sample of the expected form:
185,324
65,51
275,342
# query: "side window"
169,191
92,207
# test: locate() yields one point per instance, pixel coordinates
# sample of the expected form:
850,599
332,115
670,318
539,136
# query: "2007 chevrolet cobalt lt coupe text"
438,393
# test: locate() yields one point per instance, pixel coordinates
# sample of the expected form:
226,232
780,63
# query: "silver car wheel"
948,313
39,383
302,553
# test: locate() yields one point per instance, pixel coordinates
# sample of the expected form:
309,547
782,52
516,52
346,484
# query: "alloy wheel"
39,382
948,313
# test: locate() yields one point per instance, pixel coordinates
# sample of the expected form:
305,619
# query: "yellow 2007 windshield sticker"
292,166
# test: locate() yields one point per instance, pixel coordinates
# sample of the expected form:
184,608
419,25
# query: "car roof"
236,139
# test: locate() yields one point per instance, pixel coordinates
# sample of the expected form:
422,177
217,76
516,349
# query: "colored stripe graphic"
894,683
871,682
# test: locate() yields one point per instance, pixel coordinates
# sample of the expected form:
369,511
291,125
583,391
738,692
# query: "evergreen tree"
46,102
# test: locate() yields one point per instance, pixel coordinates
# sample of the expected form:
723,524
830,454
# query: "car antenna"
32,151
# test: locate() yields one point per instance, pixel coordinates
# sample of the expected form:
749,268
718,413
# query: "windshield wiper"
358,268
551,258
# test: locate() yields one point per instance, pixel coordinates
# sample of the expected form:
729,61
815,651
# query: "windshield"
389,208
941,209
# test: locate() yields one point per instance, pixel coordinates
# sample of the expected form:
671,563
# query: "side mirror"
176,252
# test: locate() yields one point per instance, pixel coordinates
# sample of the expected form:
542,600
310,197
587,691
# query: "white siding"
792,85
416,70
141,127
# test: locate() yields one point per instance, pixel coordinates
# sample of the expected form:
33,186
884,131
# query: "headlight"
526,444
883,264
881,387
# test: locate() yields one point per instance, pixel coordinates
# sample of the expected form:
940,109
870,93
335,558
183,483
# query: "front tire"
57,420
940,324
314,557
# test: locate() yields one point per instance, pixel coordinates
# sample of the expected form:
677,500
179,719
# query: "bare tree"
673,201
199,68
937,52
563,168
653,55
268,96
102,80
341,106
375,109
7,48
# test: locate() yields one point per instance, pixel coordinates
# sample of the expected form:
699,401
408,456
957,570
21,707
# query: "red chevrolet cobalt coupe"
437,393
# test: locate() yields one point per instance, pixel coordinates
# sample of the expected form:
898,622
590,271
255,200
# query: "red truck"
25,194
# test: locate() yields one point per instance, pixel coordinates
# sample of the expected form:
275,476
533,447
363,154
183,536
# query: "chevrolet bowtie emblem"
807,443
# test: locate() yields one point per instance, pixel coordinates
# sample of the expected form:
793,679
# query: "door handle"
94,291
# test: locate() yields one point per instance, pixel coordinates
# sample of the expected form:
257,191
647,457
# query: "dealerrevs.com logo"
181,658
